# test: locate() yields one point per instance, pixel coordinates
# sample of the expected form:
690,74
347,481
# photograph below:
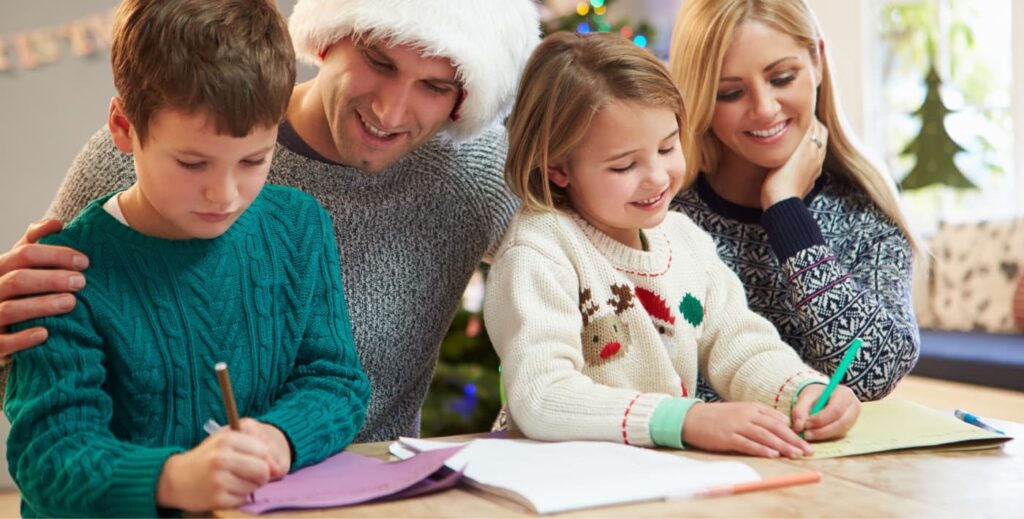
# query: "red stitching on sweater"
778,394
625,417
645,274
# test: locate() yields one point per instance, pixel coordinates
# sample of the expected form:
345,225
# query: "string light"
582,8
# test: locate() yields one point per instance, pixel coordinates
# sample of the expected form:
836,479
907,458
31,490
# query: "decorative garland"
33,48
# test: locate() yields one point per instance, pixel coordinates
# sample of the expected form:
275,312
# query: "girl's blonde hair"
702,35
568,79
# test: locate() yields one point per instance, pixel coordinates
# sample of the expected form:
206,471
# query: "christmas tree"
464,394
591,16
933,147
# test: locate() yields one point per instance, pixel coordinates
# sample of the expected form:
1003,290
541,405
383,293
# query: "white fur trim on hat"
488,41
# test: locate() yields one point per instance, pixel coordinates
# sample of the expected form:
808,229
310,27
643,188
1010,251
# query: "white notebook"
562,476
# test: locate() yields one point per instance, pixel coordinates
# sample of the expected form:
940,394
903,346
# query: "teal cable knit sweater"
126,379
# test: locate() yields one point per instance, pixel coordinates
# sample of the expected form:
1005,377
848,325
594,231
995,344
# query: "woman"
811,227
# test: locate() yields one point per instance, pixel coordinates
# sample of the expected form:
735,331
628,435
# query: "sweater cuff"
302,439
790,228
667,421
134,481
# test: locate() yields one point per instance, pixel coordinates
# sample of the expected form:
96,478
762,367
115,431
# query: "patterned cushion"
974,273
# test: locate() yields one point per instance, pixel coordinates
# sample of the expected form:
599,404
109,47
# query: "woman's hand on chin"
797,176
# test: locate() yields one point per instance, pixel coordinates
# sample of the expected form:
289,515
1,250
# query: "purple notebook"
348,479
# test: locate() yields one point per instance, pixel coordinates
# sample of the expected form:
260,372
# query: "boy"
200,263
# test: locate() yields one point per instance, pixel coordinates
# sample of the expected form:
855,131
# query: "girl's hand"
218,473
279,451
797,176
744,427
833,421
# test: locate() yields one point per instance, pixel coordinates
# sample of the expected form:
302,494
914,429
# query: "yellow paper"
899,424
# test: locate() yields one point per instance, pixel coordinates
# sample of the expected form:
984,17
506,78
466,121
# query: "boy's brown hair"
230,58
569,79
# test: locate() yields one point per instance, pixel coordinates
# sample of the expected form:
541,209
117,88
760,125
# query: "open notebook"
890,425
563,476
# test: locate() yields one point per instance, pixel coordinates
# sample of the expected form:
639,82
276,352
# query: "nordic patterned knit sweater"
823,270
600,341
409,237
126,379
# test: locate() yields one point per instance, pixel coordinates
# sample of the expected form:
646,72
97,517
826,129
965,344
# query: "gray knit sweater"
409,239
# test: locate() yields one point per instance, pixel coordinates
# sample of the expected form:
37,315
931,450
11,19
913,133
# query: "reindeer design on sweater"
605,337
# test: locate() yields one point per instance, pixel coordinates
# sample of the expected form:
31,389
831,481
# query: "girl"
823,253
602,305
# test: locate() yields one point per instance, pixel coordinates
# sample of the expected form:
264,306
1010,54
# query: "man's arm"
38,280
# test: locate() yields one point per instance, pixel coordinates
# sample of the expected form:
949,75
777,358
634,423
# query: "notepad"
563,476
348,479
890,425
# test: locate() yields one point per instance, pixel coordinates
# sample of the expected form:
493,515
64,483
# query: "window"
970,44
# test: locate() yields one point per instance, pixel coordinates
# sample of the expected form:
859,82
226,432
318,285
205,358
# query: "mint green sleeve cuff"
796,394
667,421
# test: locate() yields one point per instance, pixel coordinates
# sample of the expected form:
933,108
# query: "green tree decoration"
464,394
933,147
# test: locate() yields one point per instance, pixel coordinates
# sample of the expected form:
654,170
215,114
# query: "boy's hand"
279,451
221,472
797,176
46,273
744,427
833,421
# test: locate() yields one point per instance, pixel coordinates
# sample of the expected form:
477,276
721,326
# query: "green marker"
501,387
837,376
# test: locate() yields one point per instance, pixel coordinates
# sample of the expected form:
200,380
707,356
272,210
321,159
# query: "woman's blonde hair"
702,35
568,79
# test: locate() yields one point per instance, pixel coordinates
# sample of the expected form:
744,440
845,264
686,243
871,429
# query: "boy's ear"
119,125
558,175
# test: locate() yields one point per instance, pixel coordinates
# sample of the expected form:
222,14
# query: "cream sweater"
594,336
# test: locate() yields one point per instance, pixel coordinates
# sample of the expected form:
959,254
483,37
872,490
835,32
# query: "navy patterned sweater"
825,270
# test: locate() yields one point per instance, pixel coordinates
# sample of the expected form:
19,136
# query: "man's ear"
120,127
558,175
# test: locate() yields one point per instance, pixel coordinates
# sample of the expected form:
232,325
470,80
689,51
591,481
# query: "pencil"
764,484
837,377
229,396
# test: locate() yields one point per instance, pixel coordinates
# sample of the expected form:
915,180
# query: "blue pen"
975,421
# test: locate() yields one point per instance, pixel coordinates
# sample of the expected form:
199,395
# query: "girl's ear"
119,125
558,175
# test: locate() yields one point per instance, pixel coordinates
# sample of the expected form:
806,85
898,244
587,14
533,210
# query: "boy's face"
192,181
381,102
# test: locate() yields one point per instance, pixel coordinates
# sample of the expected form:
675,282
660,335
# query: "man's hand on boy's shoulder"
36,281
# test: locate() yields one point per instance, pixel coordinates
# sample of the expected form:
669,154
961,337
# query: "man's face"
381,101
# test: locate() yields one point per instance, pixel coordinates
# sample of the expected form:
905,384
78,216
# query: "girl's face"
766,96
626,170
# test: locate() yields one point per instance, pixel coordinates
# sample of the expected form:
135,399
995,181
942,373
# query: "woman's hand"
797,176
744,427
833,421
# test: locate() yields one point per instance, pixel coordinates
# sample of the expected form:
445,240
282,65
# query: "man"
397,137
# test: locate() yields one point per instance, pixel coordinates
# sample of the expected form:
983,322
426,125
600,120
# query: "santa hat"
488,41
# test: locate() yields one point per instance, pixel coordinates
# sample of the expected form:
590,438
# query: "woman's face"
766,96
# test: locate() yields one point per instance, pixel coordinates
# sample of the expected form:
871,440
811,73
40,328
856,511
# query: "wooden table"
986,483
